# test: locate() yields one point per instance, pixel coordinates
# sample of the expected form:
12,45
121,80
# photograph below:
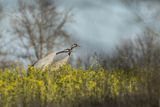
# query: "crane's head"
74,45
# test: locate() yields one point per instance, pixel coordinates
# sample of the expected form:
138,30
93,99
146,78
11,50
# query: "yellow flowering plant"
67,84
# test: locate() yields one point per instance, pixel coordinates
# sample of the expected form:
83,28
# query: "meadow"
71,87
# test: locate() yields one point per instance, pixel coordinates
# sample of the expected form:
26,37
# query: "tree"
146,12
39,27
143,52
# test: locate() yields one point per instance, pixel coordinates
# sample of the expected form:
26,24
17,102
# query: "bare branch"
40,25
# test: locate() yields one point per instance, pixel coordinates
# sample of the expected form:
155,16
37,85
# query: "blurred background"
113,33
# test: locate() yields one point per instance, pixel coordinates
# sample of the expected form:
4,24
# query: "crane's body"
46,61
55,59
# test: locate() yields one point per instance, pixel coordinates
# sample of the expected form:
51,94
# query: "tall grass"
70,87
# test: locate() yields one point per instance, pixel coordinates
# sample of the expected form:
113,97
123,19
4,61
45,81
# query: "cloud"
99,24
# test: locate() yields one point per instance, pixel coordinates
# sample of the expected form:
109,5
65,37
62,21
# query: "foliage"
66,86
61,86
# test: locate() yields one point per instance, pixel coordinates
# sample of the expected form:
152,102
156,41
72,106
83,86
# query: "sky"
99,24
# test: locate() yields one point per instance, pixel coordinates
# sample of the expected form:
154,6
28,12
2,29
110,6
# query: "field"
70,87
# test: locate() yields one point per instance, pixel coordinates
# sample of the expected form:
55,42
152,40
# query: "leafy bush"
67,86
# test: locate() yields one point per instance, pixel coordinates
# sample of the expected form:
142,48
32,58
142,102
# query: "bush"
68,87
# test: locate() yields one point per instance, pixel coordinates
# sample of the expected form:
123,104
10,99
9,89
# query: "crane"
56,59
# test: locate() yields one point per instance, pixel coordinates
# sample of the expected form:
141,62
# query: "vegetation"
70,87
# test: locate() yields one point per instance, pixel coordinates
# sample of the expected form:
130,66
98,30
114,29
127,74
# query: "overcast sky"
98,24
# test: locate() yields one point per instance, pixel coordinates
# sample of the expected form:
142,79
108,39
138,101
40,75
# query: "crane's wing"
47,60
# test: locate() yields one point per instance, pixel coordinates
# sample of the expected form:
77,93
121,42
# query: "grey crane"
56,59
69,51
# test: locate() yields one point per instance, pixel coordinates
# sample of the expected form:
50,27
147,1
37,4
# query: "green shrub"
66,86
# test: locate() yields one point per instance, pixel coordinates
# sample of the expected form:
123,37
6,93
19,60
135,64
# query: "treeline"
142,52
